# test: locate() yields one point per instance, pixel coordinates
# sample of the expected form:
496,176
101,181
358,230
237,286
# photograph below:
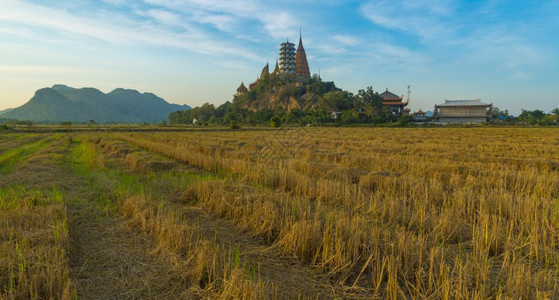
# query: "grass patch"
34,245
9,158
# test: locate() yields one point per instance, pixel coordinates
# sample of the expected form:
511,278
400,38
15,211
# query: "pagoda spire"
276,68
302,66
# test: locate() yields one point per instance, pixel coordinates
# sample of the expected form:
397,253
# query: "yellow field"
296,212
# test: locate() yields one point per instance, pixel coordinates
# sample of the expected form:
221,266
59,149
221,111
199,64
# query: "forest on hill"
276,100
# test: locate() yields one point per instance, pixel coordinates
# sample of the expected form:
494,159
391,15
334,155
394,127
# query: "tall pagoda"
287,58
301,63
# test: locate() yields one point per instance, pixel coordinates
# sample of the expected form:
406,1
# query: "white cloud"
447,32
165,17
115,2
119,29
224,14
422,18
346,40
279,25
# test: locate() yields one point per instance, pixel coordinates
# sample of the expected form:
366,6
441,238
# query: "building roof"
389,96
276,68
242,88
395,103
419,112
265,71
302,66
476,102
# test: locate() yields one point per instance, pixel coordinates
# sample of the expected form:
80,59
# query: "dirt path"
108,259
111,261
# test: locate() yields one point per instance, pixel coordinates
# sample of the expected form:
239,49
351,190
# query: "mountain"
62,103
5,110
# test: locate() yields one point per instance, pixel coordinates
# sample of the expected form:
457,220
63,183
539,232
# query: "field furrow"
34,238
265,267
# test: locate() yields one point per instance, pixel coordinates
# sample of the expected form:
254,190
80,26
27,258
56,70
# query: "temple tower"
302,66
276,68
287,58
265,71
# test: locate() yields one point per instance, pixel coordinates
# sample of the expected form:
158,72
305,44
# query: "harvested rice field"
289,213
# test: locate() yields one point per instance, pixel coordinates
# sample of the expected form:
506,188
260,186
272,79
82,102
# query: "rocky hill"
61,103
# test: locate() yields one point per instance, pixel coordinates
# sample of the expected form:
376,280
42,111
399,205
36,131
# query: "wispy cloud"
224,15
422,18
120,29
443,29
279,25
346,40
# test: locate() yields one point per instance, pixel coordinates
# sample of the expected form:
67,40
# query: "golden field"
439,213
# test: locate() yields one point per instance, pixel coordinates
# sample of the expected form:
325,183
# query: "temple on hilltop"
395,103
290,62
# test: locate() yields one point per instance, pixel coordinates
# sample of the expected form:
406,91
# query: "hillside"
5,110
62,103
271,91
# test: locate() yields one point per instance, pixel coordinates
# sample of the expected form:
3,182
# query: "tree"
275,121
233,125
531,116
496,112
555,113
339,100
350,117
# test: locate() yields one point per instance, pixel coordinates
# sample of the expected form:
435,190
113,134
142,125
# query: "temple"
394,103
290,62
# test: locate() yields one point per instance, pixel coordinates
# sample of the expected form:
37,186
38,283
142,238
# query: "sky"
196,51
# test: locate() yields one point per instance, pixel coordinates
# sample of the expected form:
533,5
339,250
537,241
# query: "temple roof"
476,102
394,103
265,71
419,112
389,96
302,66
276,68
242,88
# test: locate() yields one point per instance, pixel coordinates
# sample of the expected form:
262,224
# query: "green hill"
5,110
62,103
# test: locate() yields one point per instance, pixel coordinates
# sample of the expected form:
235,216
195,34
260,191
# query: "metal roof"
476,102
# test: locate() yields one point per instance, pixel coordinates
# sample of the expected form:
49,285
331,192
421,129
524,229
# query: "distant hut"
463,111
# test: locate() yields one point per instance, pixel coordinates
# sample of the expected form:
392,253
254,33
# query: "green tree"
339,100
531,116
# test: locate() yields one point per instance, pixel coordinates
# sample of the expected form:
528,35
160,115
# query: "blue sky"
196,51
